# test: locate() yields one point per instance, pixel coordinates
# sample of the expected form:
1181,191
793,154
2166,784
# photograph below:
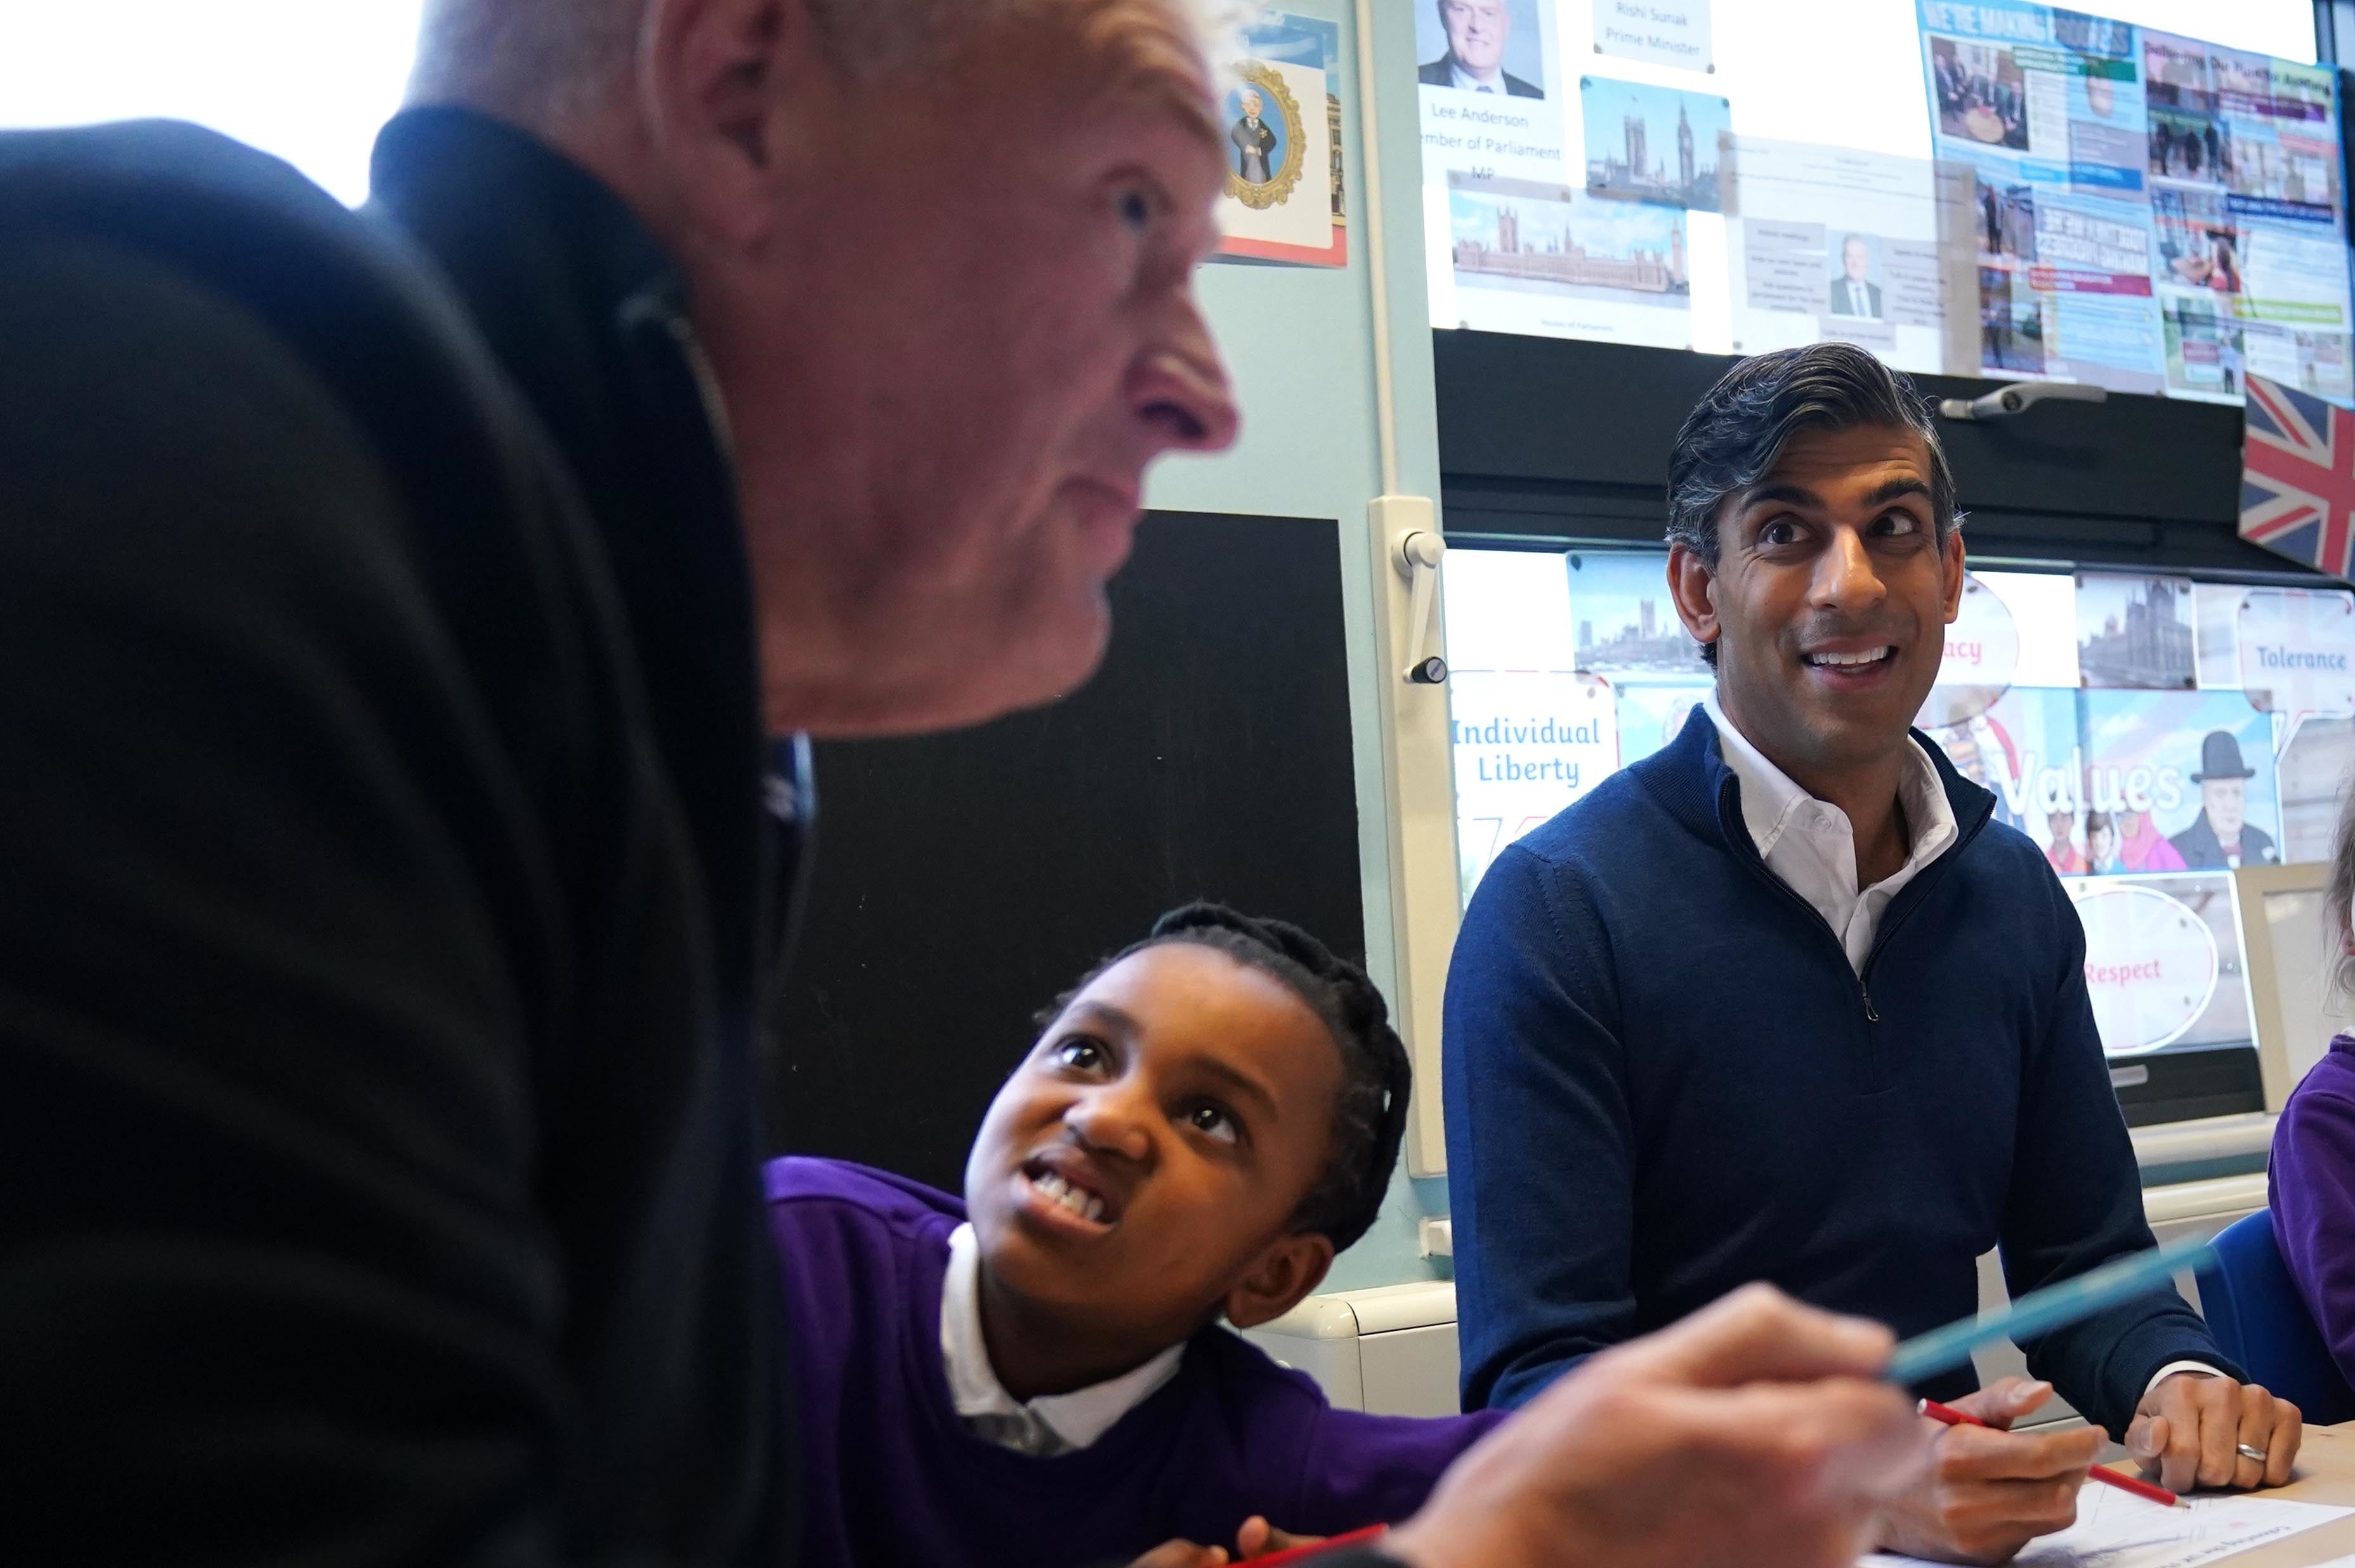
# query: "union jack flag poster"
2298,478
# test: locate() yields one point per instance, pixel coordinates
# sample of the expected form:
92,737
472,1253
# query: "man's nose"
1845,577
1180,388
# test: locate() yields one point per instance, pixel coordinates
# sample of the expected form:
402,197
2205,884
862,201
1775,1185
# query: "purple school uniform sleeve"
891,1475
2312,1196
1360,1470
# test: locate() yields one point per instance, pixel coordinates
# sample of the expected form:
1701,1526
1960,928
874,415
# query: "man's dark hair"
1376,1076
1737,432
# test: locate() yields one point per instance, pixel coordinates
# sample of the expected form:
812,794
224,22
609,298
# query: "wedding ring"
2248,1452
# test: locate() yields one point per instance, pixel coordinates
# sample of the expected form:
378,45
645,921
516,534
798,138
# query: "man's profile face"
1477,30
2226,802
1829,599
967,351
1854,261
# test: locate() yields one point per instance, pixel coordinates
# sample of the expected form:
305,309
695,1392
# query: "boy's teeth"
1087,1205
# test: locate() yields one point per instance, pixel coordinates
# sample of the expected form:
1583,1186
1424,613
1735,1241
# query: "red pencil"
2124,1483
1302,1554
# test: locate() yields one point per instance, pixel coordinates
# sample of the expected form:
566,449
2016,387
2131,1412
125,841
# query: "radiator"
1390,1349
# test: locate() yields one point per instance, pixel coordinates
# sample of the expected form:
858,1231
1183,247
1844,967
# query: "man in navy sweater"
1781,1003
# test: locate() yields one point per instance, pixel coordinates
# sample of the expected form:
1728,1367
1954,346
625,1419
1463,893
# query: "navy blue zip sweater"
1664,1079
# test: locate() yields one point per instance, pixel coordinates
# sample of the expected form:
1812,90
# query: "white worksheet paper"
2117,1529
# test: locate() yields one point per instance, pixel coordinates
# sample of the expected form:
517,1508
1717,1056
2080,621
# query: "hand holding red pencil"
1275,1549
1991,1490
1259,1544
1947,1415
1756,1432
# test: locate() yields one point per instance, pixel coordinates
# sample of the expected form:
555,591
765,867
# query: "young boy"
1037,1376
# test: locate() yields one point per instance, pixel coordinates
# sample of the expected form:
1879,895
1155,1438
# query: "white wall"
310,80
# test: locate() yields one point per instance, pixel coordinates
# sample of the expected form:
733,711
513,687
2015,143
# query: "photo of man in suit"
1254,142
1852,292
1477,31
2220,837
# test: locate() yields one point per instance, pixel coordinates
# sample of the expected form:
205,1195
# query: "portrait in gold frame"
1278,103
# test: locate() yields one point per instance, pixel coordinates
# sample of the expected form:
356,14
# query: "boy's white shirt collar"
1811,847
1051,1423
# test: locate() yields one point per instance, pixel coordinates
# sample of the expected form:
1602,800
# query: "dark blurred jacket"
2204,851
388,885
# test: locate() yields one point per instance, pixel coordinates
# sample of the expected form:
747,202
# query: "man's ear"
1693,586
1285,1273
719,82
1951,565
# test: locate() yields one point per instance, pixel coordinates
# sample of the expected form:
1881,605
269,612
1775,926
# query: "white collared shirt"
1051,1423
1810,846
1466,82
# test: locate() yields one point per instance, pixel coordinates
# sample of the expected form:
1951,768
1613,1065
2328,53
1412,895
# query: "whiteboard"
2291,955
2311,1011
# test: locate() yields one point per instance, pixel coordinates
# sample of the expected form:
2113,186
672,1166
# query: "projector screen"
310,80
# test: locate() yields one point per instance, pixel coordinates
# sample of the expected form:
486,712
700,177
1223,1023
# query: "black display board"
1560,439
963,881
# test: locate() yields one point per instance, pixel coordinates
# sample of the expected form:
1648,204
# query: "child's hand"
1182,1554
1258,1537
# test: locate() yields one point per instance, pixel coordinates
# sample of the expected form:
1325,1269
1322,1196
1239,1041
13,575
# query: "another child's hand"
1258,1537
1182,1554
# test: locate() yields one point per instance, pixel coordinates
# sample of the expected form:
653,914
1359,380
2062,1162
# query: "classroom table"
2325,1474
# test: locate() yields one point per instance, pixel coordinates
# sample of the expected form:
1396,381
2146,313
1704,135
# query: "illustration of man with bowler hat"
2222,837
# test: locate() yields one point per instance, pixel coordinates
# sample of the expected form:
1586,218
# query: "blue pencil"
2041,1311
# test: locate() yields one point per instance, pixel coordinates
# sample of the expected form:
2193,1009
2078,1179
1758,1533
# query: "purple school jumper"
892,1480
2313,1197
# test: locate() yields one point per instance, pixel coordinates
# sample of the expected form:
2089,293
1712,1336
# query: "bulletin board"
2154,736
962,881
1997,188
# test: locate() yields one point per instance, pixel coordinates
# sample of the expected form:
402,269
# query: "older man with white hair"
396,611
